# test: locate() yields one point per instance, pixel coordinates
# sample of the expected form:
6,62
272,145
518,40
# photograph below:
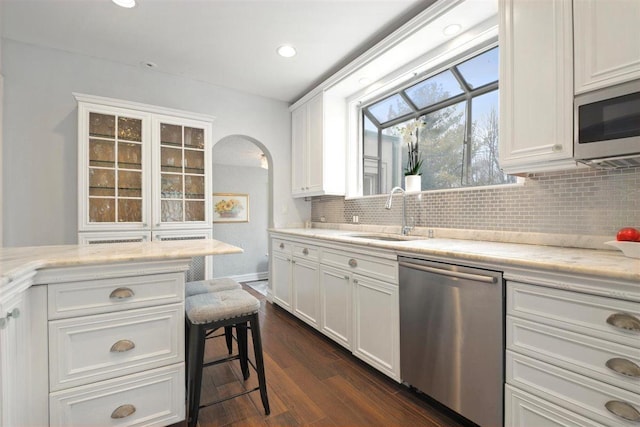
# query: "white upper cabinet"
536,86
141,167
607,43
318,150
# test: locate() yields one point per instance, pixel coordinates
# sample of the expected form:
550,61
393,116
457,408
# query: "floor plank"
311,381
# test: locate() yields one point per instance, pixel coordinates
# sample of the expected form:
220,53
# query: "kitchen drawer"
107,295
576,352
377,268
157,395
83,349
282,245
582,313
569,390
525,410
306,252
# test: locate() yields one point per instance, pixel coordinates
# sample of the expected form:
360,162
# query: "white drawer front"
107,295
81,349
525,410
306,252
571,391
377,268
586,314
576,352
281,246
158,398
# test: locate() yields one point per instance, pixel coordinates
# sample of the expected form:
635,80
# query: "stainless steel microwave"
607,126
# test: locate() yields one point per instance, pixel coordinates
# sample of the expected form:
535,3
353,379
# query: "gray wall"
40,133
250,236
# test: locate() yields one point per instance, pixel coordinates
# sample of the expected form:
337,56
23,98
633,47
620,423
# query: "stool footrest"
242,393
223,360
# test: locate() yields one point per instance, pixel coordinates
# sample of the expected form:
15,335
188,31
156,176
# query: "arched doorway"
241,172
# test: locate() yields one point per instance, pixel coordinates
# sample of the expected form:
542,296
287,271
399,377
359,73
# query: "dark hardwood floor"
310,381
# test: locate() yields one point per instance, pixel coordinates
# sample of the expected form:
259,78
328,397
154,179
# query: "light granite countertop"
590,262
17,262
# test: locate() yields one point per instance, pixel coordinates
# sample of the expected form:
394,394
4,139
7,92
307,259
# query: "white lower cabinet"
376,324
150,398
116,345
572,359
524,409
23,343
335,303
348,295
306,292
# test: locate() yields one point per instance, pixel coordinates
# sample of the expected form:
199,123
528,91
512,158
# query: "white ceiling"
228,43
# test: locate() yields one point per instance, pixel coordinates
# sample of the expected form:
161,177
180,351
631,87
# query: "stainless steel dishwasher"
452,336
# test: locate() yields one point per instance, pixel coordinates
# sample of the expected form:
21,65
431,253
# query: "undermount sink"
384,237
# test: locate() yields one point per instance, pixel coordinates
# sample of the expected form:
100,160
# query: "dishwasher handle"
457,274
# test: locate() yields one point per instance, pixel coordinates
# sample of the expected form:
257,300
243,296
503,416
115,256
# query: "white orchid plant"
410,136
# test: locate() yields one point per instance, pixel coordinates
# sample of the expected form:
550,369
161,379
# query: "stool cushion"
214,306
213,285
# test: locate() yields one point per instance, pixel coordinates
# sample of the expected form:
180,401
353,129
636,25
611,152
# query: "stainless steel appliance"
452,336
607,126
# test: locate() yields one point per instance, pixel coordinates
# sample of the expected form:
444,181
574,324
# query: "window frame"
467,95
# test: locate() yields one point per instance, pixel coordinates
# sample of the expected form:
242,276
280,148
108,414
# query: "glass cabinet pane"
129,155
102,182
129,210
170,159
170,134
194,137
171,186
194,211
171,211
129,184
194,161
130,129
101,153
194,187
102,210
102,125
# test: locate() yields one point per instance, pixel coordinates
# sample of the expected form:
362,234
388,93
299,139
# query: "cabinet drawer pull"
624,367
353,263
15,313
623,410
123,411
121,293
122,346
305,251
281,245
624,321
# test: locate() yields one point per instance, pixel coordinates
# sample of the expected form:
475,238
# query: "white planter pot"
413,183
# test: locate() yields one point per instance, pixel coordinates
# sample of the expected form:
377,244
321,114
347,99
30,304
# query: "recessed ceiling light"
125,3
286,51
364,81
452,29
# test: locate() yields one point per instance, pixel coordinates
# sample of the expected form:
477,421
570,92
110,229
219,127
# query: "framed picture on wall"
230,207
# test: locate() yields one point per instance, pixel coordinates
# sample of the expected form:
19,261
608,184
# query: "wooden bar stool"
214,285
214,310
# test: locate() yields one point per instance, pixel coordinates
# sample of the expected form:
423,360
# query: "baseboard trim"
251,277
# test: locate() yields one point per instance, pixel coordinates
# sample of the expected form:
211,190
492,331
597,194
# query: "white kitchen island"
94,335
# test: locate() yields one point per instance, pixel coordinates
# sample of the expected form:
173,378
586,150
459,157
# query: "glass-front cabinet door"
114,168
181,190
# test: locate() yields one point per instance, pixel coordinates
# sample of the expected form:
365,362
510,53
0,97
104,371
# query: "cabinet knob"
353,263
346,277
556,148
123,411
121,293
624,367
15,313
281,245
302,188
122,346
623,410
305,251
624,321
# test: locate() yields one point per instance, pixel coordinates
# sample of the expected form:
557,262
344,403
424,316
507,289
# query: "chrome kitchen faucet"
405,228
